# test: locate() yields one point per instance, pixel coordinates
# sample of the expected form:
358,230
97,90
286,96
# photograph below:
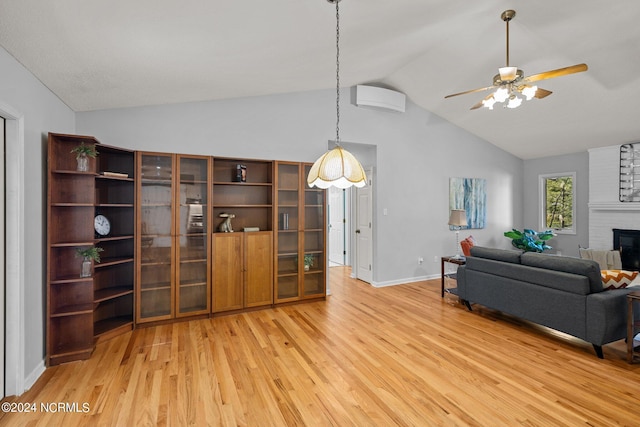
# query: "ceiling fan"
510,82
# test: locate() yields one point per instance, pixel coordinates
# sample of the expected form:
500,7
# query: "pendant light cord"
337,72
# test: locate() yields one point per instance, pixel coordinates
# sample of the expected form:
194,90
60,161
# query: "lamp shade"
338,168
458,218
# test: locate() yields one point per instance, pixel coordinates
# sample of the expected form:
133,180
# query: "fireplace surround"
628,243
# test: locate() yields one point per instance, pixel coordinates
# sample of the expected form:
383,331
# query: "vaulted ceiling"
121,53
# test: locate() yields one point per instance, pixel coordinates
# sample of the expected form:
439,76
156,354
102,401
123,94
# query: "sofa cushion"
583,267
496,254
617,279
562,281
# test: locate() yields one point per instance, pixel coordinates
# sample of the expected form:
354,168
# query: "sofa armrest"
607,316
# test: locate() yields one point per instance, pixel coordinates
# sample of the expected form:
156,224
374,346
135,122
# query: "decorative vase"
85,271
83,162
306,267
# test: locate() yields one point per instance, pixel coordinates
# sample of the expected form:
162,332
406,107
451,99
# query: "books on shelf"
115,174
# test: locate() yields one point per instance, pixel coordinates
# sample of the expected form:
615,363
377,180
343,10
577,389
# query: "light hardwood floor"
366,357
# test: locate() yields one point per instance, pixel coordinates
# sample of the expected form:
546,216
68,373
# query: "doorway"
338,214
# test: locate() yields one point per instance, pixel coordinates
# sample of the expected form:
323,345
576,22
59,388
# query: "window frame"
542,194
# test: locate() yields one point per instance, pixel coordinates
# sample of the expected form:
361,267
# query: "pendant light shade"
338,168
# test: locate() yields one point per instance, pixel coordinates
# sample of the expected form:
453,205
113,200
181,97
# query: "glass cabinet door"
288,227
192,235
314,245
156,268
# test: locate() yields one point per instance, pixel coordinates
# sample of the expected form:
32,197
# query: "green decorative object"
530,240
87,150
88,254
308,262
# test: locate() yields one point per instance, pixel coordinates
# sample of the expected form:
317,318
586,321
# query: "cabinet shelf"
192,284
72,205
114,178
108,262
114,205
114,238
73,310
69,279
112,293
101,327
156,287
244,184
241,206
71,244
73,172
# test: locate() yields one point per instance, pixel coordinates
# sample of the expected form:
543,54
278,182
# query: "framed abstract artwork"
469,194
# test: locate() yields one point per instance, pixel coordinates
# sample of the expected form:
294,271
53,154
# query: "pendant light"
337,167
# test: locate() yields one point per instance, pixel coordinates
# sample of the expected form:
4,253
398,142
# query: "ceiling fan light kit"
510,82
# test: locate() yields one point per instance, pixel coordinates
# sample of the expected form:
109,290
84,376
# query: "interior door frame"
14,249
356,246
2,254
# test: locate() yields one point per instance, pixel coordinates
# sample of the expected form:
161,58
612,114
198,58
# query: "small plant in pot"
83,152
88,255
308,262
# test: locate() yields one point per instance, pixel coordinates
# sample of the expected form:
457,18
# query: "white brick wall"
606,212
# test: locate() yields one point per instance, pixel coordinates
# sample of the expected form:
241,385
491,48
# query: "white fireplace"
606,212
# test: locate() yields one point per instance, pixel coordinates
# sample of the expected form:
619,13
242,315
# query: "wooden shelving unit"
165,257
114,276
299,264
155,249
193,274
242,261
80,309
174,241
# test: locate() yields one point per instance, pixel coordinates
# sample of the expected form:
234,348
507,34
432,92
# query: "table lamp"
457,219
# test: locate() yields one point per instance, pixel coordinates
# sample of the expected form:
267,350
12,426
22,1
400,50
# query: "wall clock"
102,225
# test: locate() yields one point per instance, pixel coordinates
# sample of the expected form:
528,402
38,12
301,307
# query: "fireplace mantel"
614,206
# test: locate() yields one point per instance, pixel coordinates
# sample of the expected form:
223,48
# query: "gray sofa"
562,293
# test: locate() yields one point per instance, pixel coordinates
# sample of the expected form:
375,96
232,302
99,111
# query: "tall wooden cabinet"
173,245
113,281
242,259
300,244
81,309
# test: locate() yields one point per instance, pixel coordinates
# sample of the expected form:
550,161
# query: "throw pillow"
617,279
466,245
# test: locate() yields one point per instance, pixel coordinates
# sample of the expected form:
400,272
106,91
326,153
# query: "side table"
451,260
632,324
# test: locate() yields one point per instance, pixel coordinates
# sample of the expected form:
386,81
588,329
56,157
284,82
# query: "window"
557,199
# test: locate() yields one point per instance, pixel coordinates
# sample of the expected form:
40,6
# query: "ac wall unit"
377,97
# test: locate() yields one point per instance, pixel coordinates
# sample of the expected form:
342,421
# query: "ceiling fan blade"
470,91
542,93
556,73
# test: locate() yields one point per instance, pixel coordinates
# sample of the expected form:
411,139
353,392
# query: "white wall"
566,244
416,154
41,113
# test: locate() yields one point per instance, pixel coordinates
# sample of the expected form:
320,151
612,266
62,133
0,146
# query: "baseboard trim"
404,281
31,379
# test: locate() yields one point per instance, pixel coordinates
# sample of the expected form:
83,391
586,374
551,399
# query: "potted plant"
308,262
88,254
530,240
83,152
